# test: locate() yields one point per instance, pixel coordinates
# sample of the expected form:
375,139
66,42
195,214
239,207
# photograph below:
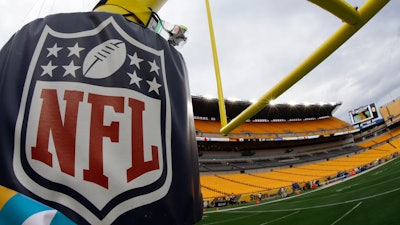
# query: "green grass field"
371,198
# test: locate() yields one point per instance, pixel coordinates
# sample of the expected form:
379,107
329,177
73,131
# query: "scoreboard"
363,114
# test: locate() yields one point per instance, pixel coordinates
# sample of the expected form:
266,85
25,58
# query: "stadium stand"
282,146
325,126
240,183
391,112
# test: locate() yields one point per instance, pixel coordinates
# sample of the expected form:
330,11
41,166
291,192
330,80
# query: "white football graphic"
104,59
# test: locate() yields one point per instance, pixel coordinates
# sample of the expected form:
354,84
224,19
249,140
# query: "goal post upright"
366,12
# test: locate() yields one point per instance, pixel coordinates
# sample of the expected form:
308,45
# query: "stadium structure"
287,148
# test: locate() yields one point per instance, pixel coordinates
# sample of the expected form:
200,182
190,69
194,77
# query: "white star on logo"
70,69
54,50
154,85
75,50
154,66
134,78
48,69
135,60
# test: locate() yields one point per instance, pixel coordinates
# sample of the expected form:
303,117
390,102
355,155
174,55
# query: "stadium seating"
207,126
385,146
324,126
395,132
324,152
391,111
314,174
226,186
259,181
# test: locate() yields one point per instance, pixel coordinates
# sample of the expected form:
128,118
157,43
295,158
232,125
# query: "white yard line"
283,217
347,213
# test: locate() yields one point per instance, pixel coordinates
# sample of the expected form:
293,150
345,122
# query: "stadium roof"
205,107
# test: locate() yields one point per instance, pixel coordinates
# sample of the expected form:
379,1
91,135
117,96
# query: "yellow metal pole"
367,11
341,9
221,100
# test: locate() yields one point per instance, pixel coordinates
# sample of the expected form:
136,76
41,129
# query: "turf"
371,198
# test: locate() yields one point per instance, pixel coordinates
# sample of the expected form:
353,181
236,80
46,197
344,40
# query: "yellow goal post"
353,18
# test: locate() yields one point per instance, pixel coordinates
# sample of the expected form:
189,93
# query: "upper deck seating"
269,129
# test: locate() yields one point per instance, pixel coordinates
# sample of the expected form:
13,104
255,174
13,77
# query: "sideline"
312,191
321,206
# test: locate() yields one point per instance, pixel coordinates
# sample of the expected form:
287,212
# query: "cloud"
259,42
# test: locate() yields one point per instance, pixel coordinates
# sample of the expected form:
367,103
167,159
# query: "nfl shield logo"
94,125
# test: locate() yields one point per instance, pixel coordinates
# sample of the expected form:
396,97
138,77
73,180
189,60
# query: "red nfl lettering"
64,134
139,167
96,141
95,173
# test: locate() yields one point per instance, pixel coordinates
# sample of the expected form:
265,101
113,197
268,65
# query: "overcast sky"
260,41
